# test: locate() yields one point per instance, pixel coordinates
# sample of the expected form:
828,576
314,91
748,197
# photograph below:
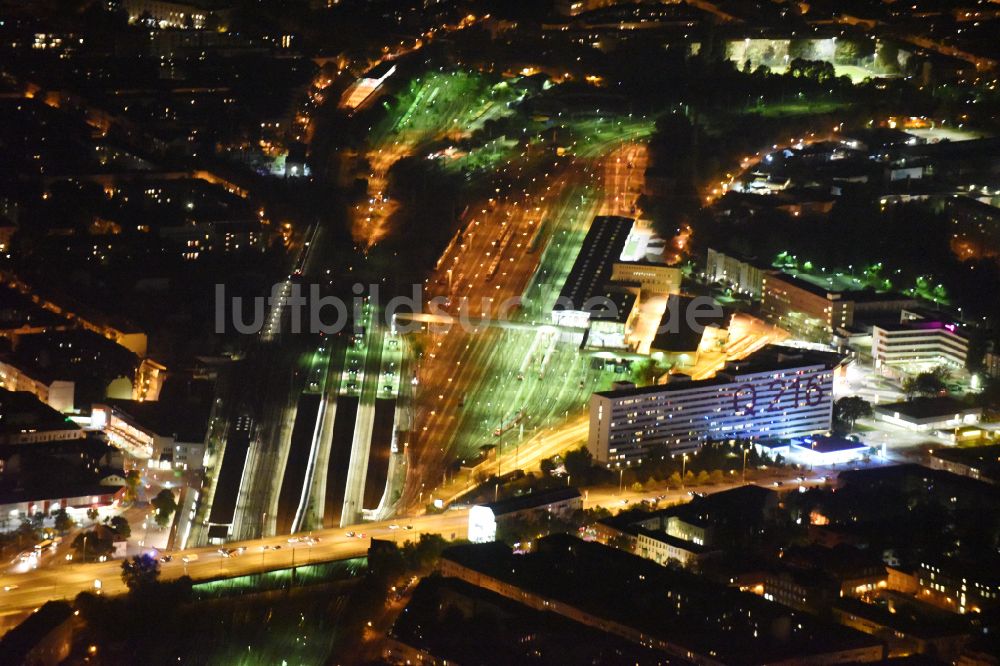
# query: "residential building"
979,462
686,616
777,392
743,274
485,520
69,369
689,533
663,548
56,393
177,14
959,586
24,419
906,628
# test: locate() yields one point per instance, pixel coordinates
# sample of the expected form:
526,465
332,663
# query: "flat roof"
837,285
925,408
612,305
533,500
924,325
829,444
21,411
770,358
591,271
675,332
612,584
984,459
186,421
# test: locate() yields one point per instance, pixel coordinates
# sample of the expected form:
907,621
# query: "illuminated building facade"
778,392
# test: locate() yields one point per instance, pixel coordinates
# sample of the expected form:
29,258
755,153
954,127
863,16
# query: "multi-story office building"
811,310
739,272
778,392
168,14
916,340
804,308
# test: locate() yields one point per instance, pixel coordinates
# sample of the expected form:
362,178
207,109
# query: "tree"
848,410
800,49
924,384
140,572
578,462
702,478
26,534
91,545
165,505
674,480
423,554
716,477
548,465
63,522
92,514
120,525
649,371
132,480
887,57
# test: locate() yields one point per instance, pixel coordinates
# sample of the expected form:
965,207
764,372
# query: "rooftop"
925,408
591,271
829,444
984,459
681,608
21,411
184,421
770,358
675,332
837,285
532,500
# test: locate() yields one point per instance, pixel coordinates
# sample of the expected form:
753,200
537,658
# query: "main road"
28,591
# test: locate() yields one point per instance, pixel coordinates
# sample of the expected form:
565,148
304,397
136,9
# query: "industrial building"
616,264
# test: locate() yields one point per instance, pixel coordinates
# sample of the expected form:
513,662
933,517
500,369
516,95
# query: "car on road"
9,588
193,557
394,526
294,539
408,527
166,558
350,535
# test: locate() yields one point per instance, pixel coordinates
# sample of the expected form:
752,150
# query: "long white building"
777,392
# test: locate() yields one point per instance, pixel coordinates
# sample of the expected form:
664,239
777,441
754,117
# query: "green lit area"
592,137
444,102
566,229
796,108
488,157
279,579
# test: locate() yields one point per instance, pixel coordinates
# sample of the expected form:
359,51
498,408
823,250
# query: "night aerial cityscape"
485,332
